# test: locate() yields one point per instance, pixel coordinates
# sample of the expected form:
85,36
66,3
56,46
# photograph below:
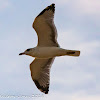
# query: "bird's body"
50,52
46,50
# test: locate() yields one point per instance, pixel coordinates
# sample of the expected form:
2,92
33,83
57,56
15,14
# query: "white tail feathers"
72,53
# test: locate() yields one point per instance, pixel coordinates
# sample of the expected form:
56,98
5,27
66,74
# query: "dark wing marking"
40,73
51,7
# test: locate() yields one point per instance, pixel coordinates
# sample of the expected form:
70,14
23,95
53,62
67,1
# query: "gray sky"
78,26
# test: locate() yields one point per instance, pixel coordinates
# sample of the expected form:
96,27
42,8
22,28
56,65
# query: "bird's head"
27,52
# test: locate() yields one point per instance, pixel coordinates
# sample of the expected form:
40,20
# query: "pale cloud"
4,4
60,2
80,6
72,78
87,6
76,96
69,39
89,47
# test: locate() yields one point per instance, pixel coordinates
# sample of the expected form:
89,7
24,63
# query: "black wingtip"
41,88
51,7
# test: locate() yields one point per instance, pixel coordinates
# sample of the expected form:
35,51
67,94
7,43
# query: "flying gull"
46,50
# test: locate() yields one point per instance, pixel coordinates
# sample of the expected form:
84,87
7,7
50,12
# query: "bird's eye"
28,50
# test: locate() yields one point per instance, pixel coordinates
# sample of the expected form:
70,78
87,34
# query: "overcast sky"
71,78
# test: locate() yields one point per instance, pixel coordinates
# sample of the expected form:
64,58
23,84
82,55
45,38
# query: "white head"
28,52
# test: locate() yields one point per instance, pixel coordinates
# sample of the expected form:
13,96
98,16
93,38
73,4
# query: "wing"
45,28
40,73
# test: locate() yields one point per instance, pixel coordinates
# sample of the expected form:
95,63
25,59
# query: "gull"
46,50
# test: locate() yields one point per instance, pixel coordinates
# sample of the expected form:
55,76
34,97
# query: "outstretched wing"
45,28
40,73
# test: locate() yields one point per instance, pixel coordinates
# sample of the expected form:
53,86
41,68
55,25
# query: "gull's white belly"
48,52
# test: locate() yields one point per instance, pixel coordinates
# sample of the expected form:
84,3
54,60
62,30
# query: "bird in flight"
46,50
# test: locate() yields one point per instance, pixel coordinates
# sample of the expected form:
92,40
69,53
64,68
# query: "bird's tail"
72,52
